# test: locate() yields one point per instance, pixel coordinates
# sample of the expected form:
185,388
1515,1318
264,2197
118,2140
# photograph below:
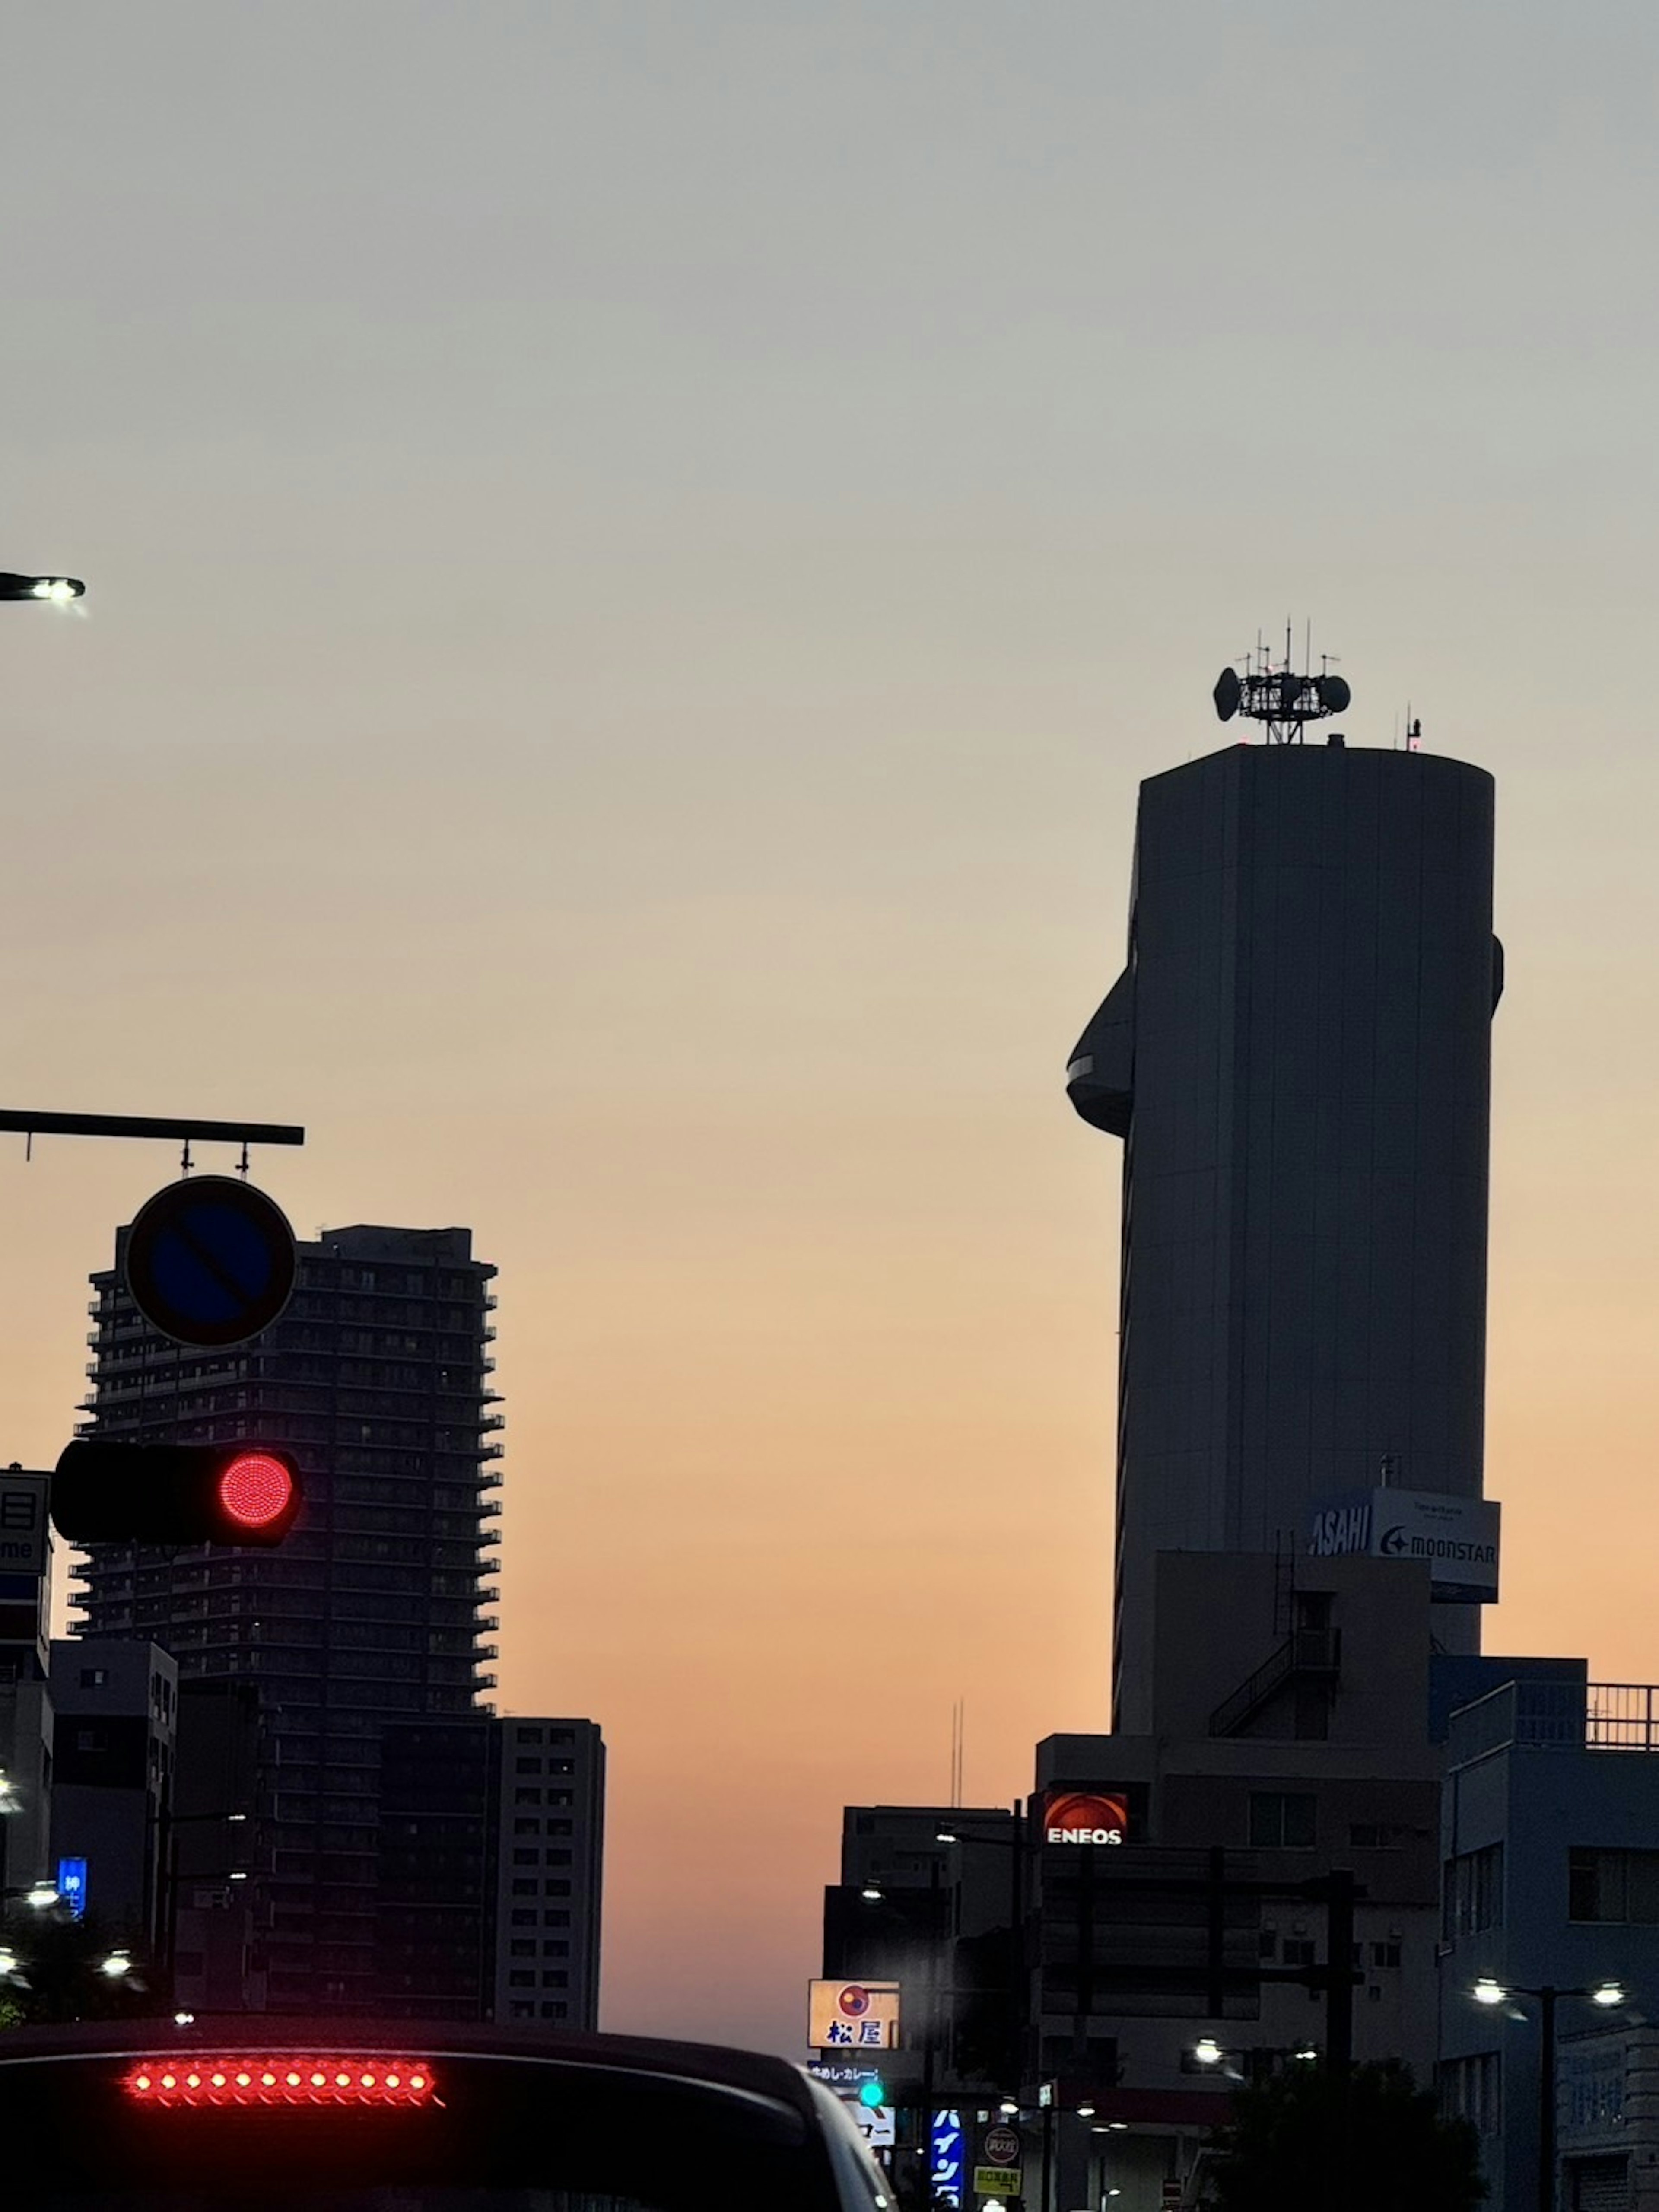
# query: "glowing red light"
330,2080
255,1489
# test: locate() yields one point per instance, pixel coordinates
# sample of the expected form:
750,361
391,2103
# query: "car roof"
754,2073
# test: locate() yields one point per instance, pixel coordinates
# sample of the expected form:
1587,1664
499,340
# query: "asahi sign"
1085,1816
1456,1536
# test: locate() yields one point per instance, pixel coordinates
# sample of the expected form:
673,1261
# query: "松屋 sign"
852,2015
1457,1537
1084,1816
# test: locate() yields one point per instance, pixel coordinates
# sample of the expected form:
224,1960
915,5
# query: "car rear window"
490,2135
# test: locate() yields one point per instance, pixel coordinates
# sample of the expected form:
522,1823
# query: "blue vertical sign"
946,2162
72,1884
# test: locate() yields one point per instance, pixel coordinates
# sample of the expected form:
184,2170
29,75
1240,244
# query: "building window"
526,1796
522,2011
520,1980
1385,1954
557,1888
1300,1951
559,1919
557,1980
93,1678
524,1888
520,1918
1376,1835
525,1858
526,1827
556,2011
1281,1820
558,1858
1621,1885
521,1950
527,1766
1472,2089
1474,1893
555,1949
528,1735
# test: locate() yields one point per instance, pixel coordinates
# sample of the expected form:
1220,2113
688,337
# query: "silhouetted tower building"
1298,1059
373,1610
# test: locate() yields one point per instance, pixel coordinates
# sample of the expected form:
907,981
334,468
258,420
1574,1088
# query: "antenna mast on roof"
1277,696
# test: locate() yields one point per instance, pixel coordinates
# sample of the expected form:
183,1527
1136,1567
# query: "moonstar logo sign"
1084,1816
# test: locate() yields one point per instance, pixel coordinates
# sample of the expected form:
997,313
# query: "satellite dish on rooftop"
1333,694
1227,694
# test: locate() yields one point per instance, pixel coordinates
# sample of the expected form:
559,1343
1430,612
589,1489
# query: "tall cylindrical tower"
1297,1057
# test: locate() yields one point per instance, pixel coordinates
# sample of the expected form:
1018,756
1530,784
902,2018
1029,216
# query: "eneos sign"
1084,1816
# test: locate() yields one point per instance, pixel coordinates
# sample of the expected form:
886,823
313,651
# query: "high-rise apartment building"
374,1610
1297,1058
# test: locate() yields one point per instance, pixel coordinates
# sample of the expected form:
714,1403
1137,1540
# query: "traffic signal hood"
109,1493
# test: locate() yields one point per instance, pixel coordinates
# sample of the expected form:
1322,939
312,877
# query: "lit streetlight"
117,1964
54,591
1488,1990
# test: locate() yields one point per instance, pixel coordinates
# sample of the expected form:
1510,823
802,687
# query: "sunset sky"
639,553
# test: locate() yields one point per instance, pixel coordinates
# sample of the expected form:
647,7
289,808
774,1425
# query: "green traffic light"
873,2095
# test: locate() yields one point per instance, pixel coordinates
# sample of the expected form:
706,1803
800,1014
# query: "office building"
114,1725
1171,1889
548,1824
489,1886
373,1610
26,1715
1550,1838
1296,1057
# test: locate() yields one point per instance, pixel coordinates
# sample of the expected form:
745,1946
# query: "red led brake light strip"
344,2079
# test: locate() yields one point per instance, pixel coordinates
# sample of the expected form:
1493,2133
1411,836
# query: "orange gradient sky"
639,553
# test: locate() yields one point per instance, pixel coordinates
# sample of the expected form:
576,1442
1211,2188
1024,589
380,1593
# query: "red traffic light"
106,1492
255,1489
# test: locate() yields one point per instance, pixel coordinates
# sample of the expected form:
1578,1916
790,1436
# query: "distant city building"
1550,1837
26,1726
489,1894
115,1707
548,1834
373,1610
1298,1059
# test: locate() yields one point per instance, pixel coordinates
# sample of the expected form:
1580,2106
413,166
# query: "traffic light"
109,1493
872,2095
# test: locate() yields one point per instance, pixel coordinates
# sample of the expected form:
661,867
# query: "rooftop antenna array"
1274,694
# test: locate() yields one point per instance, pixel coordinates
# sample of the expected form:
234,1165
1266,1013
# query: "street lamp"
871,1892
56,591
117,1964
1208,2051
1488,1990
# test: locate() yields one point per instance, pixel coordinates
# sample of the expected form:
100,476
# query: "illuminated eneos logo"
1084,1816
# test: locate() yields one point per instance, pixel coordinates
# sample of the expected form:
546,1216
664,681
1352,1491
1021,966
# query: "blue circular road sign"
210,1261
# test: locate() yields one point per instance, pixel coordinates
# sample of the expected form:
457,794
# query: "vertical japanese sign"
946,2159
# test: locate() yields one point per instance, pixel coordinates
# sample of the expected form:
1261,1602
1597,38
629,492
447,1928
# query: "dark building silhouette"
373,1612
1297,1056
